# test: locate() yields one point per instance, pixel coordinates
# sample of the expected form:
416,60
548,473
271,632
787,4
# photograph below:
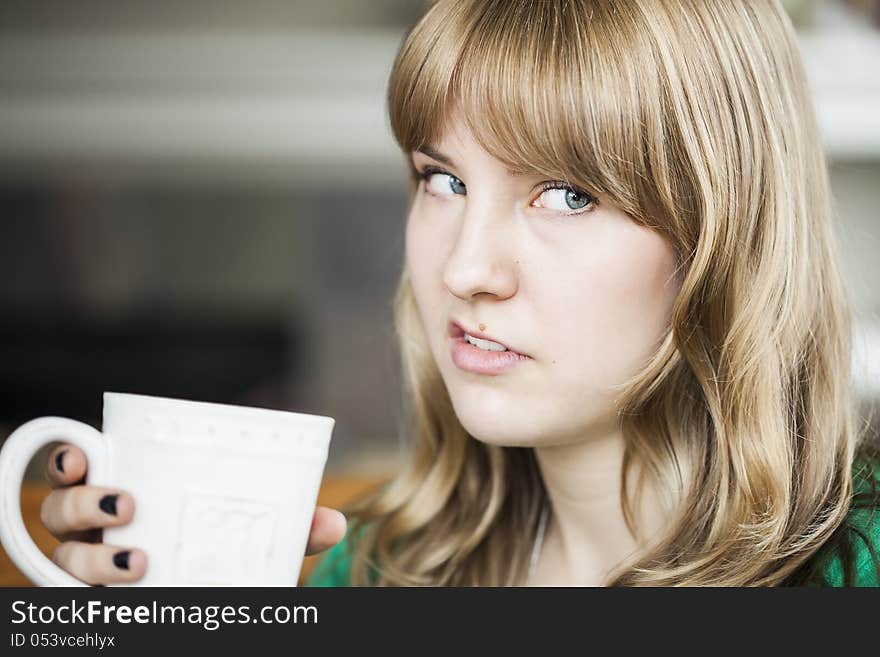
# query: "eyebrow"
433,153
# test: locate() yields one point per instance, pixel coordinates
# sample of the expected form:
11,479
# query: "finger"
66,465
77,508
100,563
328,528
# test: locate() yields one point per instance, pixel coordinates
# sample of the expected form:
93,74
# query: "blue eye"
566,199
576,201
555,195
441,183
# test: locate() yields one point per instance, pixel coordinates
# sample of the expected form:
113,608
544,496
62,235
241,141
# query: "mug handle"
17,452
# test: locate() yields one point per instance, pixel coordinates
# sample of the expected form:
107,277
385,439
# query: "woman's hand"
75,513
328,528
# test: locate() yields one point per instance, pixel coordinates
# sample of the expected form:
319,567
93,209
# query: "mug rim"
175,403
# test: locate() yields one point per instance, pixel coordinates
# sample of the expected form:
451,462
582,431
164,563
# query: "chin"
496,423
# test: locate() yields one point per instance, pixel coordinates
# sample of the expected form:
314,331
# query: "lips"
474,360
456,330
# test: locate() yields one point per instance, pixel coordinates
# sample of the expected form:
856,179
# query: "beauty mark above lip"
457,330
473,359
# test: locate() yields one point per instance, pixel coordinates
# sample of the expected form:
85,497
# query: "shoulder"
334,569
863,523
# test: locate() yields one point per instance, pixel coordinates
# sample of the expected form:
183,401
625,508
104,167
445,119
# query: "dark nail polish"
59,460
108,504
120,560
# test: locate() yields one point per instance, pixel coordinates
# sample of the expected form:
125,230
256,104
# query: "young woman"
625,332
632,199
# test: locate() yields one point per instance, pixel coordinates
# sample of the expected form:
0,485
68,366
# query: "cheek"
614,309
424,262
646,297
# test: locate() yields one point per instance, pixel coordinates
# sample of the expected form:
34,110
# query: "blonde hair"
693,116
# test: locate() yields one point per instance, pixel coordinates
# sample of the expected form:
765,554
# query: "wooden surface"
336,491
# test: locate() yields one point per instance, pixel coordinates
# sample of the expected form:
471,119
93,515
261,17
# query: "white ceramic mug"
224,495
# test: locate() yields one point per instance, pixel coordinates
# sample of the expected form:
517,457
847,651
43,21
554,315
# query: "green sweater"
335,568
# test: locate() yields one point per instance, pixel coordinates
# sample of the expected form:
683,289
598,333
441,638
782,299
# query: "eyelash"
429,171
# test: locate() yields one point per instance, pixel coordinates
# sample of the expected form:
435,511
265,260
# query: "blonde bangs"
544,88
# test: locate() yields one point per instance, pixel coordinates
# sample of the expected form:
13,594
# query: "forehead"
455,141
450,136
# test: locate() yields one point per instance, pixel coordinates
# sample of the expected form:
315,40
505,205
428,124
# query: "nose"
482,258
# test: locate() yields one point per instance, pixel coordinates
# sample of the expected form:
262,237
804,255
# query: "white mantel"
292,106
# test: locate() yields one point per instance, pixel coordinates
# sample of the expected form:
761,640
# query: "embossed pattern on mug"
224,540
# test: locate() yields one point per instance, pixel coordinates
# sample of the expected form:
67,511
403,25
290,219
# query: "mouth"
479,353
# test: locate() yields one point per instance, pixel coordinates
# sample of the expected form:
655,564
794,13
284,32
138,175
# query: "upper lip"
457,330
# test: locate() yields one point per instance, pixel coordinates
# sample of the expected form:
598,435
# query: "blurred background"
203,200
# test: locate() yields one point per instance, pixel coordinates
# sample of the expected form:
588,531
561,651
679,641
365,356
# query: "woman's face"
579,293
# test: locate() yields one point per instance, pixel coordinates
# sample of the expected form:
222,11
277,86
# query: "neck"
587,535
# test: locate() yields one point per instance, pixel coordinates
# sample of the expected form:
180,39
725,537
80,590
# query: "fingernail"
59,460
108,505
120,560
